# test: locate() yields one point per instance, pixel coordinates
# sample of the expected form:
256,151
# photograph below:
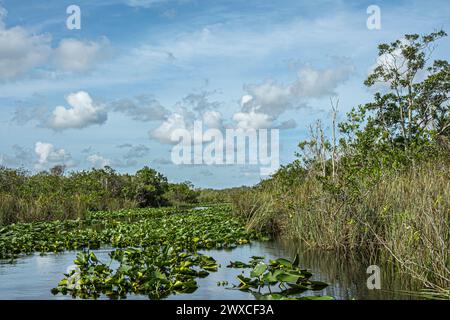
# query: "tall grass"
14,209
404,216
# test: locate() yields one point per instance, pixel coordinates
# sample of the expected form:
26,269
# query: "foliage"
156,248
196,229
403,122
56,196
153,271
283,273
182,193
151,187
384,186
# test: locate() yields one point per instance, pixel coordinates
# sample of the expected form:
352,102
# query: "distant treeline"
50,195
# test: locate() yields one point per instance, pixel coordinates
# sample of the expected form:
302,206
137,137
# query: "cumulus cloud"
269,97
163,132
193,107
98,161
141,108
79,56
213,119
87,150
272,98
82,113
20,50
48,155
185,120
262,104
317,83
252,120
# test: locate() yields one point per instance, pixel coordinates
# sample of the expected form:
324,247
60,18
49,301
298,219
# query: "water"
32,277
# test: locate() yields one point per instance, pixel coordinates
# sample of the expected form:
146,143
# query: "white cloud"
83,112
164,132
252,120
269,98
79,56
317,83
49,156
183,119
246,99
20,50
273,99
212,119
98,161
261,105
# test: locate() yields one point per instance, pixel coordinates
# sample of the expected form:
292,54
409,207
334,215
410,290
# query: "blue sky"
112,92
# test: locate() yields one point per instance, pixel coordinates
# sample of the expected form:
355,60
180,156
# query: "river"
33,276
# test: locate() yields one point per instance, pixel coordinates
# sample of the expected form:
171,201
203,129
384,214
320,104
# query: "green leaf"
284,262
287,277
296,260
318,285
259,269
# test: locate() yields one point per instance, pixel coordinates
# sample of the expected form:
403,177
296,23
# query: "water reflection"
346,272
32,277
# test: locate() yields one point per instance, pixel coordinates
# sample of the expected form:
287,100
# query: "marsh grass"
404,217
14,209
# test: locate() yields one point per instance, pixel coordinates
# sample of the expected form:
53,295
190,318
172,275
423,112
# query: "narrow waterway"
33,276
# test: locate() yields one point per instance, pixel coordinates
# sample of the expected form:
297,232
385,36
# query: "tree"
151,187
58,170
182,193
412,110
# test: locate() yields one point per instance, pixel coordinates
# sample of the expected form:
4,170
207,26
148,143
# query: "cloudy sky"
112,92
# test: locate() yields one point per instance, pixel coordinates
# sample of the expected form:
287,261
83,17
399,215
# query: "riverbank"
403,217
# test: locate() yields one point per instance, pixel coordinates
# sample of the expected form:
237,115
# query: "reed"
404,216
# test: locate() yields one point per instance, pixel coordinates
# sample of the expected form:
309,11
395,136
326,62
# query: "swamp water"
33,276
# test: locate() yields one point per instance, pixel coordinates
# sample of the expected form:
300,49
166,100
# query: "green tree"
410,113
151,187
182,193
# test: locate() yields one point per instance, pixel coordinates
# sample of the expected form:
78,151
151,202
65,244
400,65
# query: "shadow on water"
33,276
347,273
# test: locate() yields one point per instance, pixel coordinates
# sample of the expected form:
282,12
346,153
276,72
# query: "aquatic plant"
153,271
196,229
281,273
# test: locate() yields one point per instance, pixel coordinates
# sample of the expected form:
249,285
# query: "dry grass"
46,208
405,216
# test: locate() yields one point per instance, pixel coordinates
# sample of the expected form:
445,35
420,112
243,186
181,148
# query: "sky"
113,92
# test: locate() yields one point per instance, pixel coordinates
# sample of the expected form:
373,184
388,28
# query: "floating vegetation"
154,252
206,229
281,273
153,271
156,249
